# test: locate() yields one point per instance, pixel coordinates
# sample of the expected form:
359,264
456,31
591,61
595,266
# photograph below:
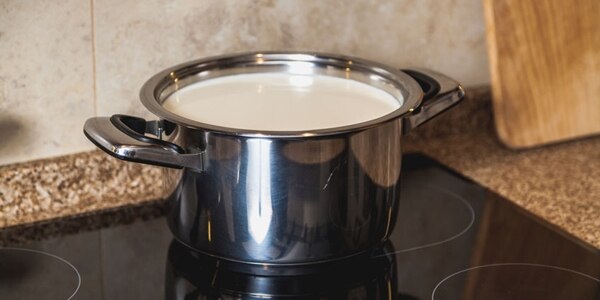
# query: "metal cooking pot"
278,197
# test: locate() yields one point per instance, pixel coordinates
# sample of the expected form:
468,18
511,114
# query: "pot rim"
394,81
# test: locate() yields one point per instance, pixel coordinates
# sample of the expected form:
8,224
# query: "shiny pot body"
287,201
278,197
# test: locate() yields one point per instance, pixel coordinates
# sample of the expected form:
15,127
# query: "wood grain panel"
545,65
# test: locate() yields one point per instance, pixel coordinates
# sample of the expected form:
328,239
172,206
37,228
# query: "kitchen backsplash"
63,61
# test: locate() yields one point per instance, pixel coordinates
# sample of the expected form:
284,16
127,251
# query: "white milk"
280,102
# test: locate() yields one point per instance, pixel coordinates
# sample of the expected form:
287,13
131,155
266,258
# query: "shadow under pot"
249,186
194,275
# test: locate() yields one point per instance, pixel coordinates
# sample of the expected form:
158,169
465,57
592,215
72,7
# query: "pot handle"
440,94
124,138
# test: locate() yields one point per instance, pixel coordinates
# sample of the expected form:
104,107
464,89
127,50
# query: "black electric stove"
453,240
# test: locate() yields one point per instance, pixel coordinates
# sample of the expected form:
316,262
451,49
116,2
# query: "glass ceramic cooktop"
453,240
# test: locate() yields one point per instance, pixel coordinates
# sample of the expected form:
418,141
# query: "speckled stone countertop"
75,184
560,183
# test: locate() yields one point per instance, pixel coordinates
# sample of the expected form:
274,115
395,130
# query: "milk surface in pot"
281,102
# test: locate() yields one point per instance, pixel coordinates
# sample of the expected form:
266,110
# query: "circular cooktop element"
427,219
517,281
33,274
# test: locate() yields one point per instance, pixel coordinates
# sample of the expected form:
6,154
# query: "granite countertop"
560,183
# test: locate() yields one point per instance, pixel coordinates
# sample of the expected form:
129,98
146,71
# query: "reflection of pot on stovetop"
193,275
279,197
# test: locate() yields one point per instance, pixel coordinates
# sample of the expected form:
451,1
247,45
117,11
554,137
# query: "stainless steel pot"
278,197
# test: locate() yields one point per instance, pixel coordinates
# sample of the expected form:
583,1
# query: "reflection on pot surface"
262,206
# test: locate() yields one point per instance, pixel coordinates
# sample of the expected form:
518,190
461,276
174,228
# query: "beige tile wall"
54,53
46,77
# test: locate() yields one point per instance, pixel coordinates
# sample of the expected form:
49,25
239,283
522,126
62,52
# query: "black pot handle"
440,94
124,137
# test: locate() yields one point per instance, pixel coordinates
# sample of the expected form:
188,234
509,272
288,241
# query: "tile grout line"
94,74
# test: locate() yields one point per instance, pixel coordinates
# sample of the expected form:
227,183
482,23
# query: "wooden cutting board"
545,65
